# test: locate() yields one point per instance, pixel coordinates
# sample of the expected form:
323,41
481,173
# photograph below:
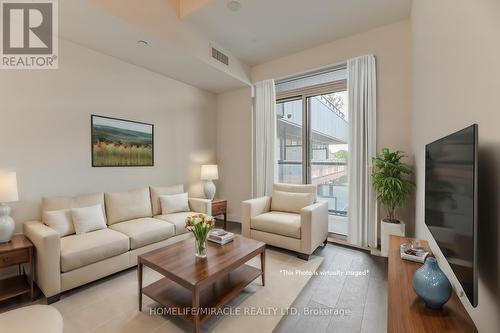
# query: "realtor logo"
28,36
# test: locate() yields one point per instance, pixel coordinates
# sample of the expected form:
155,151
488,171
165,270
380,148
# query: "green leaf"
390,179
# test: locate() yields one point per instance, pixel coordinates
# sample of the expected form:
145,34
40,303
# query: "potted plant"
391,181
200,225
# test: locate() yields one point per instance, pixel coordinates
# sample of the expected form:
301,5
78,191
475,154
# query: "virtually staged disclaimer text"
288,272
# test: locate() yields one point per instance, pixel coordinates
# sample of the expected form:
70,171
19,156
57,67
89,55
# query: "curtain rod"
310,73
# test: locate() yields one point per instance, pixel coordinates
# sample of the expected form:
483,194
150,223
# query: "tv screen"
451,203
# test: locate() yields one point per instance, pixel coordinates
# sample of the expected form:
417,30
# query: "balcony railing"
331,185
328,124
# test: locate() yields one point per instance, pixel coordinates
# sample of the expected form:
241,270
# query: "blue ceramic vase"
431,284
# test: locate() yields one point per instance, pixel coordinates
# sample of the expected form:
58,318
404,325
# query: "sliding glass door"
289,148
328,146
313,144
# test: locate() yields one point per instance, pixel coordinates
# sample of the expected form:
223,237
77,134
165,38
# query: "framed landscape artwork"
121,143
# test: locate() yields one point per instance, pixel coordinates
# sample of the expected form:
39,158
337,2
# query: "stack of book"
411,252
220,236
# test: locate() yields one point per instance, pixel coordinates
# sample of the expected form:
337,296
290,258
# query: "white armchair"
292,219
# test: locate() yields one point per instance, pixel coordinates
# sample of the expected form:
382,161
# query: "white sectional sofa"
135,225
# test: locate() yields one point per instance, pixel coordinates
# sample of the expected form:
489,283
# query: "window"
312,141
289,141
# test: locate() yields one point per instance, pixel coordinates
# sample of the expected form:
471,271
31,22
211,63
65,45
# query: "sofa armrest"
199,205
251,208
314,226
48,256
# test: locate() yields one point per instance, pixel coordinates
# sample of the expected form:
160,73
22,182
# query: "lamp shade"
209,172
8,187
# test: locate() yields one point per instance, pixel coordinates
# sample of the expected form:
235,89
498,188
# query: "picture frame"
119,142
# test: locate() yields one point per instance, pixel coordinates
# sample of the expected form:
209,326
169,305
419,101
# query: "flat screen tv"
451,198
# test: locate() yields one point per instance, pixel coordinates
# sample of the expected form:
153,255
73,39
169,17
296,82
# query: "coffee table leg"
263,265
196,308
139,278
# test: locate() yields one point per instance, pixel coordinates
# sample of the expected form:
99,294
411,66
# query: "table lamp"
209,173
8,193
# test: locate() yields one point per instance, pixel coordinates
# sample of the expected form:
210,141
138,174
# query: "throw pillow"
174,203
59,220
291,202
88,219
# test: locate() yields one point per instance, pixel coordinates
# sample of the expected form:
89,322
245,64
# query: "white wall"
456,77
234,148
45,126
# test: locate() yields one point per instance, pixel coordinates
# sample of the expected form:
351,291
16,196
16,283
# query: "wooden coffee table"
193,288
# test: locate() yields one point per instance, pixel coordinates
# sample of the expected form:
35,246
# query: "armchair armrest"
200,205
48,256
251,208
314,226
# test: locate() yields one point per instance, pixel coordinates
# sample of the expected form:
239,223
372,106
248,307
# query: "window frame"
304,94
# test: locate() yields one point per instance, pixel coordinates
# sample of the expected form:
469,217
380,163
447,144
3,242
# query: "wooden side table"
219,207
18,251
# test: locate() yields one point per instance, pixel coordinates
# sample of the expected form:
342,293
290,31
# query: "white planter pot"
387,229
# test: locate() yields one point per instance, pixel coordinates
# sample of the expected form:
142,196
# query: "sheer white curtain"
361,86
264,138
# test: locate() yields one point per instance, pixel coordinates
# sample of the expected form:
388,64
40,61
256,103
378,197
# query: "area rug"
111,305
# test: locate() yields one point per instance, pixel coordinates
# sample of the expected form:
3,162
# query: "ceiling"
266,29
108,32
180,41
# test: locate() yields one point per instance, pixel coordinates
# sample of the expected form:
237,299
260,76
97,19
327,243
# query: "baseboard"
343,242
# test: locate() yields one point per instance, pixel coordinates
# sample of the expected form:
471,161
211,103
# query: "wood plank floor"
363,298
357,303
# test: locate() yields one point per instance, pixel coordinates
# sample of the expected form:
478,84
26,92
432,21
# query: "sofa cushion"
85,249
175,203
290,202
280,223
59,220
86,200
144,231
297,188
165,190
178,220
88,219
129,205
